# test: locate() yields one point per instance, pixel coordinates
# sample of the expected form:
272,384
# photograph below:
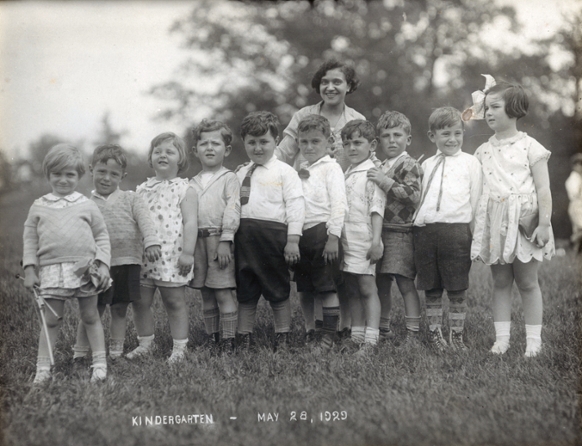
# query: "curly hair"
333,64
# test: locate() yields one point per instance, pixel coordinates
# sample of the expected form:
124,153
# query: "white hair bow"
477,110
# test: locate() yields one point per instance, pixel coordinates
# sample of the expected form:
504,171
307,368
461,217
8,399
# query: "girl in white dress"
173,204
512,224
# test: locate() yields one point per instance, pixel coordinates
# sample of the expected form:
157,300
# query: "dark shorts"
312,274
398,255
442,255
125,287
260,261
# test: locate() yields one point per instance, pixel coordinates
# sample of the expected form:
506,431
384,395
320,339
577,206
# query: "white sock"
502,330
533,332
145,341
179,345
372,335
359,334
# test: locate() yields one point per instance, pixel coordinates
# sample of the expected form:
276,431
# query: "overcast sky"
64,64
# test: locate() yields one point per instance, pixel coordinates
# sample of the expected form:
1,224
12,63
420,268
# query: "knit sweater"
402,189
128,223
57,235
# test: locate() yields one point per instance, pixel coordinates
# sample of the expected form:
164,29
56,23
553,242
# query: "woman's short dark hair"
333,64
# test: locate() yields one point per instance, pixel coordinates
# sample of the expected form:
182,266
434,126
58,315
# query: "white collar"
71,198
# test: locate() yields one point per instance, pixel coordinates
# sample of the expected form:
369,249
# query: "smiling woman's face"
333,87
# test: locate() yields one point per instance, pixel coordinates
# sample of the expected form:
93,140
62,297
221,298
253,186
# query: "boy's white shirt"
325,195
205,178
461,185
276,192
211,208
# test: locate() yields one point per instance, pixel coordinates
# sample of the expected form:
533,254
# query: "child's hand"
103,271
541,235
292,250
153,253
375,253
30,277
331,250
376,175
185,263
223,254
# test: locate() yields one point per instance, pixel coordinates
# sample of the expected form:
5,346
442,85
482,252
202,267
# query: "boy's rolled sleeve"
294,202
231,216
476,185
144,221
376,198
338,202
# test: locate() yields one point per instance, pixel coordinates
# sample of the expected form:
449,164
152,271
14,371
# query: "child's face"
495,114
448,140
260,149
211,150
165,159
358,148
393,141
107,176
313,145
64,182
333,87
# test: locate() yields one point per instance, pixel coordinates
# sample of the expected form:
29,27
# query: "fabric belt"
209,232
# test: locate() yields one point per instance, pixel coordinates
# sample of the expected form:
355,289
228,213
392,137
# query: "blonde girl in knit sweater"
173,204
65,239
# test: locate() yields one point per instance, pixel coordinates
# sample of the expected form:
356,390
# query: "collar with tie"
245,188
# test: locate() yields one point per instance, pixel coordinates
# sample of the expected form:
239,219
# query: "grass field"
396,397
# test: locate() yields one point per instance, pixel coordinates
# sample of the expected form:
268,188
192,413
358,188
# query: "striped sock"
228,322
457,311
434,308
412,323
211,320
330,319
385,323
359,335
115,348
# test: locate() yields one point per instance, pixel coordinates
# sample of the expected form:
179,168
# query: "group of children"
345,232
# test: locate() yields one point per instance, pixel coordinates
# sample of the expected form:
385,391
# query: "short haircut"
515,97
63,156
314,122
178,143
106,152
391,119
444,117
209,125
332,64
258,123
364,128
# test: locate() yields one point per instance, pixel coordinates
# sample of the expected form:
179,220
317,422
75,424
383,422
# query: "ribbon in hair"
477,110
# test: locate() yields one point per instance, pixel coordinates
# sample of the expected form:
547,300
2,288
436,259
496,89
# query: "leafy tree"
411,56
